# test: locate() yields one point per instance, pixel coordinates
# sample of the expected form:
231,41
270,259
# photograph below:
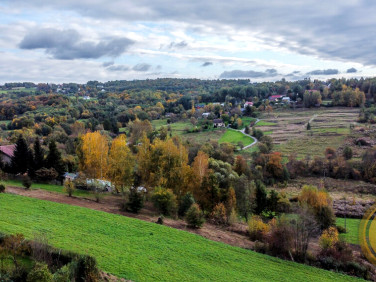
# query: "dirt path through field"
236,236
254,142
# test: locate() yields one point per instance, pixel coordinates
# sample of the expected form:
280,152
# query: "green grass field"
144,251
177,128
352,226
48,187
265,123
233,136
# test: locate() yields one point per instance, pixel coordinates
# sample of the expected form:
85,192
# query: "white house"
248,104
286,99
205,115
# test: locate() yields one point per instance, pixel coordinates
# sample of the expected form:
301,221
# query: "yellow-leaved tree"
94,153
169,166
120,164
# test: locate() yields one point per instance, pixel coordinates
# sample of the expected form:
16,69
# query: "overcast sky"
81,40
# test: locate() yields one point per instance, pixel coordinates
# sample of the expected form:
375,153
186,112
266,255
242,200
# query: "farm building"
248,104
218,123
200,106
70,176
274,98
6,153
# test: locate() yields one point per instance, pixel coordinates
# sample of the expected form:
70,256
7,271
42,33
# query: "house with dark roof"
218,123
6,153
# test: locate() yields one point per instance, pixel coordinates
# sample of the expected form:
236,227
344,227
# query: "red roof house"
6,153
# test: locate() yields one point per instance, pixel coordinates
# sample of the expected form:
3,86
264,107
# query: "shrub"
69,187
194,216
347,153
46,174
329,238
233,217
257,228
341,229
26,182
257,133
272,201
330,153
2,188
261,197
280,239
186,202
283,204
219,215
164,200
86,270
40,273
135,200
325,217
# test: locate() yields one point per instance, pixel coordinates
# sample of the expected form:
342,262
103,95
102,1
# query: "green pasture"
144,251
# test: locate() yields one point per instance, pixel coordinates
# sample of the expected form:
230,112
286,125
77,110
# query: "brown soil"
234,236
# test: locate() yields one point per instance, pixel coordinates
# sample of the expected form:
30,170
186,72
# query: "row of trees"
35,162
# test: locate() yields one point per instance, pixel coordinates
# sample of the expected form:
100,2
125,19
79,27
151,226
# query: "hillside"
144,251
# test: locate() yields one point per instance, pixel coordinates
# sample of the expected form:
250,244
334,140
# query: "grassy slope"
232,136
144,251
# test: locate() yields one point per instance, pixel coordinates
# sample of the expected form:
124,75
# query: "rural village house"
6,153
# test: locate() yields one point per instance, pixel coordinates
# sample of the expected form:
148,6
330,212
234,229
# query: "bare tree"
305,229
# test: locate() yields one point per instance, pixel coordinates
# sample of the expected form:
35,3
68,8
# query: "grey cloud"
116,68
179,45
323,72
330,29
68,44
107,64
352,70
249,74
294,73
206,64
141,67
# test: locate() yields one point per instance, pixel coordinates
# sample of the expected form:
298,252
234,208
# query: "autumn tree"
137,128
169,166
144,160
94,155
240,165
120,164
200,166
320,203
274,165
